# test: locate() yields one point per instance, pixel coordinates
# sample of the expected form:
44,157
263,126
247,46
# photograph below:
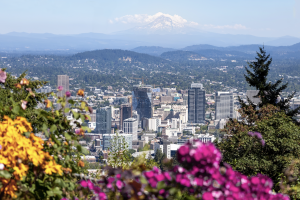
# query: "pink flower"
84,183
183,150
119,184
77,131
149,174
24,104
2,76
60,88
207,196
68,94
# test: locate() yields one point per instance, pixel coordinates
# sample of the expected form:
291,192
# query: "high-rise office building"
103,120
196,103
142,100
63,80
130,126
223,105
125,113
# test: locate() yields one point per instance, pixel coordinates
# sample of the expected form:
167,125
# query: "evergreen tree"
268,92
158,158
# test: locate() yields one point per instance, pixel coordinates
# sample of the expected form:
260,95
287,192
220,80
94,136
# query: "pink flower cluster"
259,136
201,174
96,190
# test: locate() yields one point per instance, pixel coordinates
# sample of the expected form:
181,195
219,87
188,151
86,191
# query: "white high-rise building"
153,124
130,126
224,105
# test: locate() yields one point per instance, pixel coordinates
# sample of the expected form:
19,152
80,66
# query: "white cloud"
145,19
235,27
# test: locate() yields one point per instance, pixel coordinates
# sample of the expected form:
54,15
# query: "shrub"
19,101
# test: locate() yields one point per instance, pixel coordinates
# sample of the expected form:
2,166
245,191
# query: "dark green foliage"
159,158
247,155
268,91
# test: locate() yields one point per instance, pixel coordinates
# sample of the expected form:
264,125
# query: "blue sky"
270,18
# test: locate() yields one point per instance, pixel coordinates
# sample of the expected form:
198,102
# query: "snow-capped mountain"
162,23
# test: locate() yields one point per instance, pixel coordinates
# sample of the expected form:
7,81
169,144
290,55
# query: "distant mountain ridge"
117,55
161,32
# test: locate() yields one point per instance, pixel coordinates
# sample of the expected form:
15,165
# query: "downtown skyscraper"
142,100
103,120
196,104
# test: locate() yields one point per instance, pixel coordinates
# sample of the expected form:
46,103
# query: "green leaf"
32,188
67,136
5,174
85,128
57,112
84,151
53,128
59,182
16,109
71,101
67,110
82,117
143,180
161,185
83,104
79,148
55,192
76,115
172,191
89,117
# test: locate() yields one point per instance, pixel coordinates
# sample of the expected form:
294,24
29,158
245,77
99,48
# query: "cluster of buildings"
161,118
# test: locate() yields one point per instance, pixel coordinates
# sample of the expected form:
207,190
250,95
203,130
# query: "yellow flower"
18,85
9,187
20,171
52,167
67,170
48,103
24,81
16,148
81,164
80,92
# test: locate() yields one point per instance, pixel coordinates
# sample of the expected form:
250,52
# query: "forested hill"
117,55
152,50
181,56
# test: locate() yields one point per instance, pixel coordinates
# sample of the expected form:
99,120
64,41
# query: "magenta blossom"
259,136
3,76
60,88
119,184
68,94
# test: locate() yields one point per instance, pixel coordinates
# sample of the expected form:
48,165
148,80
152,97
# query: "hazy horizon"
274,18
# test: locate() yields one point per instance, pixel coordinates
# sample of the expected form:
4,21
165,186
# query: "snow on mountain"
160,23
